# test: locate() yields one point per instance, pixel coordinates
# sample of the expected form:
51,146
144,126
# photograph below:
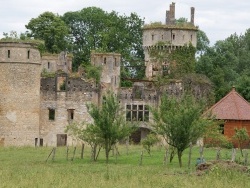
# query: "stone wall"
69,106
19,94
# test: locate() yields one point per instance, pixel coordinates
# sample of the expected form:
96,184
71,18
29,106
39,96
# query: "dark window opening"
70,114
48,65
162,37
28,54
173,36
36,142
41,142
8,53
152,37
51,114
221,128
137,113
105,61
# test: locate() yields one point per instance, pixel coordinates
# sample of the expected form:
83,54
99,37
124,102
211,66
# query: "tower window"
162,37
105,61
48,65
173,36
51,114
28,54
8,53
152,37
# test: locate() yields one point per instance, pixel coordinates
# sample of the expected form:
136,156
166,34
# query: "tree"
180,121
108,126
50,28
95,29
241,136
149,141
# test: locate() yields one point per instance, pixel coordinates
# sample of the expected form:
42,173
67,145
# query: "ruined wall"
19,94
73,99
55,62
110,63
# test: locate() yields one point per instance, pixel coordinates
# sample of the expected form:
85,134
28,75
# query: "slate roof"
231,107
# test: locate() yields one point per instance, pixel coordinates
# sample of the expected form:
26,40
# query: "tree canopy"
50,28
180,121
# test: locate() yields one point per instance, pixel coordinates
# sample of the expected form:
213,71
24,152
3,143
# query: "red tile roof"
231,107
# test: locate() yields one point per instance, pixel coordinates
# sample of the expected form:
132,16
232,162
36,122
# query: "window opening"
41,142
8,53
173,36
152,37
28,54
105,61
221,128
48,65
71,114
137,113
51,114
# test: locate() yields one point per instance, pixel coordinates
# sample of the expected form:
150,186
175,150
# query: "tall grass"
26,167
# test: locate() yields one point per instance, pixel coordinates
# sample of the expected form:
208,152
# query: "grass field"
26,167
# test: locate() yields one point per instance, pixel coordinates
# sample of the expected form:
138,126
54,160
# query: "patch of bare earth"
227,165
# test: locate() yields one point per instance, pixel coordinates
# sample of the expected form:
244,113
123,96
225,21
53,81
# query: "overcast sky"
217,18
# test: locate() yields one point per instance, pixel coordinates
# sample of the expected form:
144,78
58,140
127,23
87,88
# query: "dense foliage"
227,64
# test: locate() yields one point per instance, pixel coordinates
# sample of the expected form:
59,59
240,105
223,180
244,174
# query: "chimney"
167,17
172,13
192,15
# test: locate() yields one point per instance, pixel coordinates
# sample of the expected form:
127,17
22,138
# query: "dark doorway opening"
61,139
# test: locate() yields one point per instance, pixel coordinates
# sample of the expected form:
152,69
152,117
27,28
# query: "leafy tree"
241,136
202,42
179,121
95,29
50,28
149,141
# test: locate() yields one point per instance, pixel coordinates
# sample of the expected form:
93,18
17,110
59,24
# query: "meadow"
27,167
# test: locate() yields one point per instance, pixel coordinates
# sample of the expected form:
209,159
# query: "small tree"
149,141
180,122
241,136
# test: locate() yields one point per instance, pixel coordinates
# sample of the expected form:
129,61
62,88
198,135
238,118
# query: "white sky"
217,18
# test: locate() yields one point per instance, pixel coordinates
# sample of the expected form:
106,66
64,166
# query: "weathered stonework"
171,35
20,68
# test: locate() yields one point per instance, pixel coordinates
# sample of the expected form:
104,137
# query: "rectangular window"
51,114
173,36
8,53
41,142
28,54
48,65
71,114
137,113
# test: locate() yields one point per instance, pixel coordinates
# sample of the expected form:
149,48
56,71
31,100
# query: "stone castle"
35,110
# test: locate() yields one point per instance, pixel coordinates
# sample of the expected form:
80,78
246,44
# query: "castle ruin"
35,110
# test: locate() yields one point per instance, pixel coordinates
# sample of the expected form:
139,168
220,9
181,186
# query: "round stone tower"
20,68
171,35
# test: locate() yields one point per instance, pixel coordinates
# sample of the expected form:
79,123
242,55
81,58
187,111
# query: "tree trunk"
179,153
107,153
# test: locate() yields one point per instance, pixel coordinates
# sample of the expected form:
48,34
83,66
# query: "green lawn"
26,167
